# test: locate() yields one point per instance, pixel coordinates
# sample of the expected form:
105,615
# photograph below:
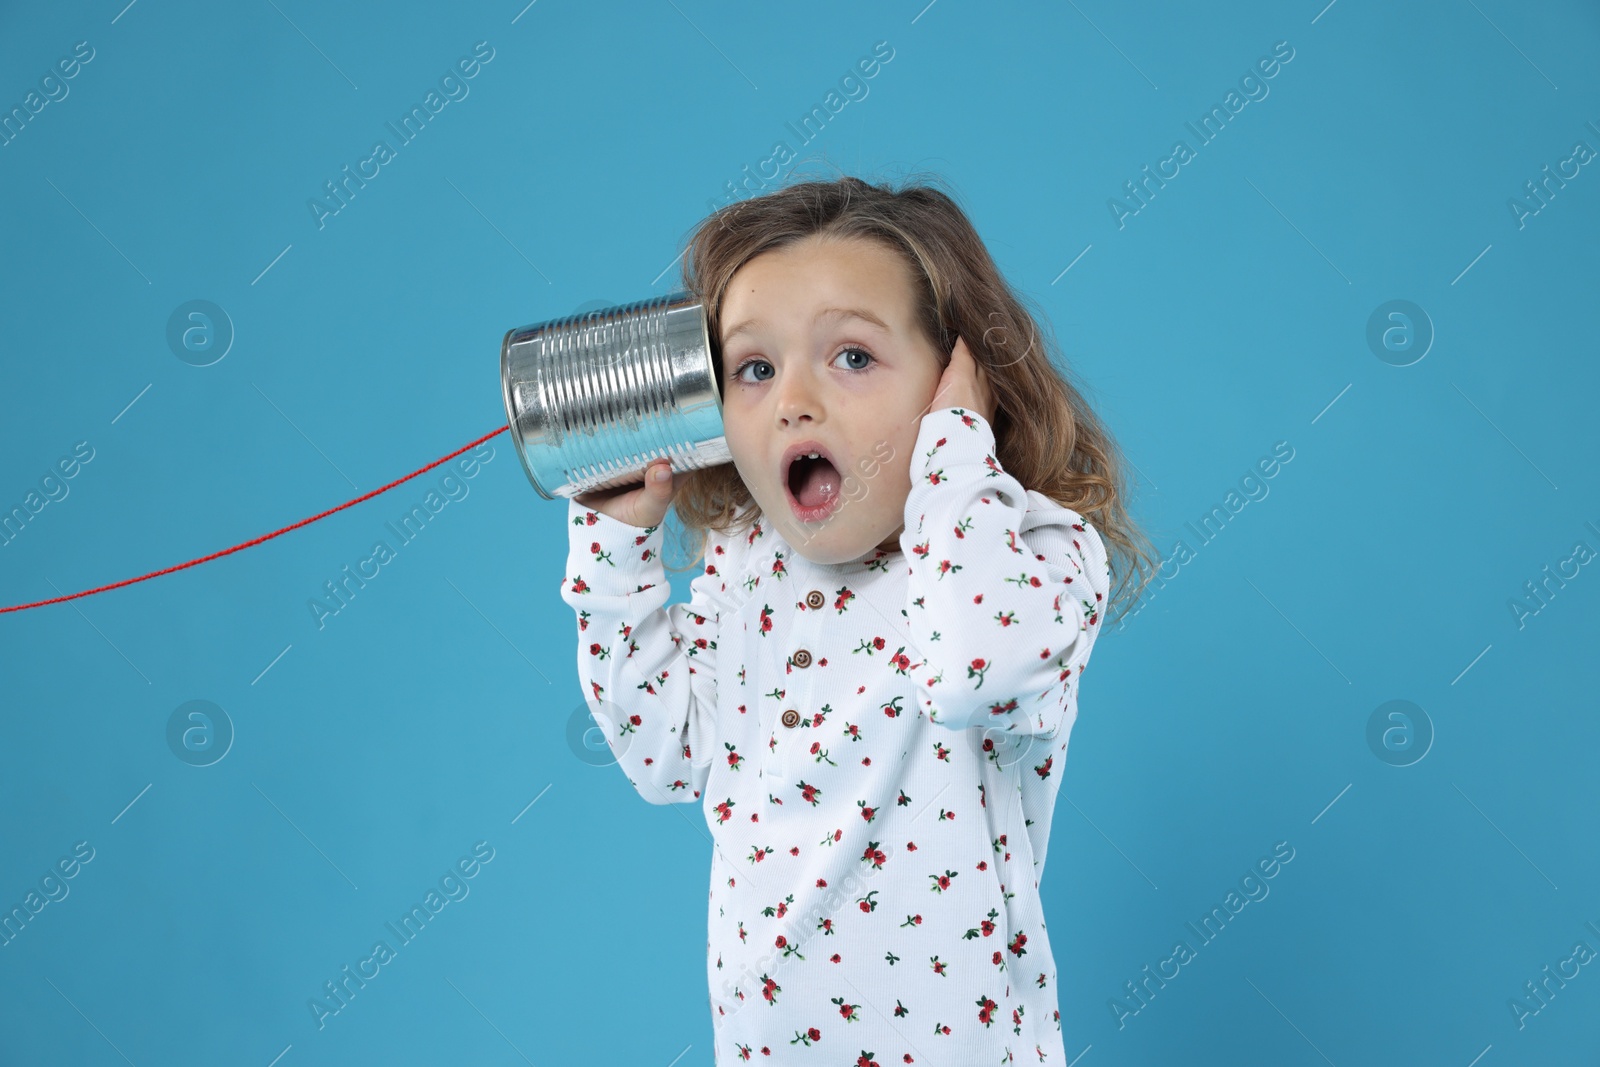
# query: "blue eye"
738,372
859,351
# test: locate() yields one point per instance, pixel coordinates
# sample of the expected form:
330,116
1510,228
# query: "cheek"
746,460
884,467
733,430
896,471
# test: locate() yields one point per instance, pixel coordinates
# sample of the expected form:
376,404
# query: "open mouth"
814,486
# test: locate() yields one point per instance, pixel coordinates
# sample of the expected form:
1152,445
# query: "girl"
870,690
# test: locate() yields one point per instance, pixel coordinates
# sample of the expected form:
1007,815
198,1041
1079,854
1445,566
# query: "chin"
831,559
818,551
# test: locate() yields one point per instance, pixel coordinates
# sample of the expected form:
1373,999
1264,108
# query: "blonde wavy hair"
1046,435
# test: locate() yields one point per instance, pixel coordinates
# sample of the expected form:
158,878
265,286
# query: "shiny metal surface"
593,399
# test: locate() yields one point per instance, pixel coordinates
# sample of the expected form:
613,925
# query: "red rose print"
953,607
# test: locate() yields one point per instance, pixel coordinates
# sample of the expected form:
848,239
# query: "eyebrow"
847,313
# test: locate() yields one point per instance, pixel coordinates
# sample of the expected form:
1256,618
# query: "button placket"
796,680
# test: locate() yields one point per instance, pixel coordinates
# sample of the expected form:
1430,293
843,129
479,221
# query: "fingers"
974,391
660,478
660,484
973,367
640,504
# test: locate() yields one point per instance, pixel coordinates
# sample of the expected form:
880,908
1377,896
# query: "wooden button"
791,718
815,599
802,658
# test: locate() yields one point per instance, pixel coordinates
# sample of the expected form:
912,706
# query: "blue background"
433,711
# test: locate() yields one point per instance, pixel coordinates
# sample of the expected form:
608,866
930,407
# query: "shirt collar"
766,548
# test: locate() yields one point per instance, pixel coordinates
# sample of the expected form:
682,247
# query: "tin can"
594,398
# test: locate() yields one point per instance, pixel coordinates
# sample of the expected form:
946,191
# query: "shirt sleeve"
1005,589
648,671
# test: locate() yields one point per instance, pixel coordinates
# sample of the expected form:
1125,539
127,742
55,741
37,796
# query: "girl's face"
820,352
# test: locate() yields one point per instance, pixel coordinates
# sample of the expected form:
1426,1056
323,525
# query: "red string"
265,537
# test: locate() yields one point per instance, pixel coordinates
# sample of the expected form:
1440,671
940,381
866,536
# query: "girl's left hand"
964,384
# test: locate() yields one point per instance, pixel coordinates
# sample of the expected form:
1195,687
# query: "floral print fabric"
876,747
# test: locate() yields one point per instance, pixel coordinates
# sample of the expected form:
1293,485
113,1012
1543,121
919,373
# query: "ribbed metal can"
594,398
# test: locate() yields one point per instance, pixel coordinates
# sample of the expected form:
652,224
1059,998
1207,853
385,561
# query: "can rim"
711,357
511,414
674,298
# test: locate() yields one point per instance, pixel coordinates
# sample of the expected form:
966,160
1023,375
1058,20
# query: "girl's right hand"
642,506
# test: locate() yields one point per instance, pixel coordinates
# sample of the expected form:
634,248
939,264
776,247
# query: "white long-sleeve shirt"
876,747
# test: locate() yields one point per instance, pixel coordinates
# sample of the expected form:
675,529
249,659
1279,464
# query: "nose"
798,397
